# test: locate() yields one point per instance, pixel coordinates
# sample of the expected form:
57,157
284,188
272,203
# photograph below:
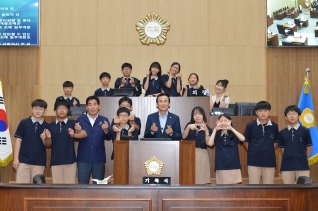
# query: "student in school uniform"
172,83
29,149
68,89
193,89
123,127
152,83
261,140
296,145
105,90
200,132
59,136
227,160
126,81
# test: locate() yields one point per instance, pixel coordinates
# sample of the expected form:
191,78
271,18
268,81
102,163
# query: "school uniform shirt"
198,136
123,132
62,150
92,148
295,141
154,86
70,100
172,91
226,153
32,151
102,92
261,139
193,92
137,88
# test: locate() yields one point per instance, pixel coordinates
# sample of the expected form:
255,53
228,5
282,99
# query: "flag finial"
307,82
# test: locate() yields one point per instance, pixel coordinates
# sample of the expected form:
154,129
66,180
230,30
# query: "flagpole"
307,72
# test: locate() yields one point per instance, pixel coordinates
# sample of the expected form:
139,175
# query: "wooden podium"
178,158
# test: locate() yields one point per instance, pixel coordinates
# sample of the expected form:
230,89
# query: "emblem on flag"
307,118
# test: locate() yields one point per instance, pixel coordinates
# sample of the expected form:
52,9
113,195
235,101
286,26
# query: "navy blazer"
172,120
92,148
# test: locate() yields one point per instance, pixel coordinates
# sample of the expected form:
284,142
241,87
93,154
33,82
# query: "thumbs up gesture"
74,103
169,130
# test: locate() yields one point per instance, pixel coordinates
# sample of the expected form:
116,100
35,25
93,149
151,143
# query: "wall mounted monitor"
19,23
245,109
292,23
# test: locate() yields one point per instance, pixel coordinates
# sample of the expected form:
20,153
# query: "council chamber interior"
216,39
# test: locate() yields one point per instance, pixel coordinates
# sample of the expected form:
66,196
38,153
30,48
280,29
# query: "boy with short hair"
29,150
133,120
127,81
59,136
68,88
296,145
105,90
123,128
261,141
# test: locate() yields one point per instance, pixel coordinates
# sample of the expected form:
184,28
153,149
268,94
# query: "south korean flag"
6,154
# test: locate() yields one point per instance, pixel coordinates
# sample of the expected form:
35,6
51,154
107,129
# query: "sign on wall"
19,23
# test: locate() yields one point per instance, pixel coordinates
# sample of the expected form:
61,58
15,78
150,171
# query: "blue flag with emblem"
308,118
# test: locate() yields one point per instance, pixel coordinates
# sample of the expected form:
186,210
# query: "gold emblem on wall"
152,29
154,166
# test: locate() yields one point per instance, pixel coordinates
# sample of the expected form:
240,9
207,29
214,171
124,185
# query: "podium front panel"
165,151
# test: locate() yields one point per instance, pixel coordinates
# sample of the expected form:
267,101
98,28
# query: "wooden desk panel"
123,198
270,21
287,26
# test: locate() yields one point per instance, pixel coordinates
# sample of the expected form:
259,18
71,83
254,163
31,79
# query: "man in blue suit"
163,124
91,157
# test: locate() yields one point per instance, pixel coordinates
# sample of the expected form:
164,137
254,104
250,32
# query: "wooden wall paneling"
186,29
234,23
72,22
19,73
72,63
116,22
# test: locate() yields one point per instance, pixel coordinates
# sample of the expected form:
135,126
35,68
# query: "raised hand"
132,82
185,87
42,135
169,130
105,125
148,73
154,128
179,75
115,129
131,117
47,133
116,120
74,103
78,126
123,81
